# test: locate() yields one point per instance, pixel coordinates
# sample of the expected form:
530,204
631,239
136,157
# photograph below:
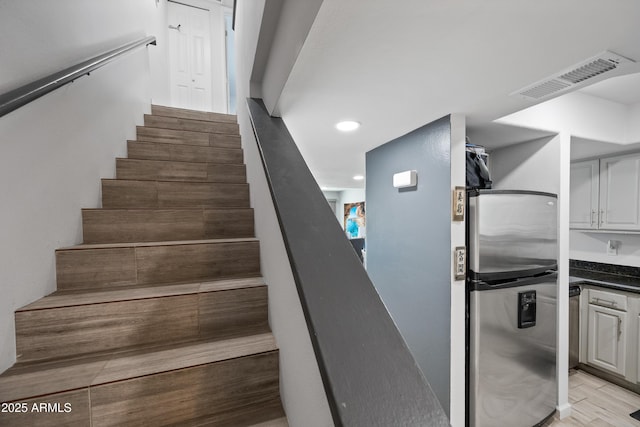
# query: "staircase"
160,316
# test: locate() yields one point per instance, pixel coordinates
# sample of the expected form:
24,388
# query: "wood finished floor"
598,403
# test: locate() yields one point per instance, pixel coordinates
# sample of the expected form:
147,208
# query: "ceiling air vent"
578,75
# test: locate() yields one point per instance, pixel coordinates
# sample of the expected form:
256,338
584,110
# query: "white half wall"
301,387
544,165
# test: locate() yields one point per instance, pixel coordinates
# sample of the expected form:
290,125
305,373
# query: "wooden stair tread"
38,379
116,225
161,110
176,182
181,152
191,125
129,193
280,422
166,170
177,208
158,134
179,162
206,162
76,298
163,243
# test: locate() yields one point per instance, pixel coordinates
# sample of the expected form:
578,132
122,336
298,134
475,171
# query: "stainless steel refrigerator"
512,294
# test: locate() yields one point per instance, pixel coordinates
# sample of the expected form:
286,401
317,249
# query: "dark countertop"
578,276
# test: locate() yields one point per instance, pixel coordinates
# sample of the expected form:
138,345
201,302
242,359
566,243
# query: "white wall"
633,132
55,150
301,388
38,37
533,165
543,165
458,310
592,247
579,114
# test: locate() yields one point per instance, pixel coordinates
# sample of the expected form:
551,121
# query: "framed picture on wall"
354,220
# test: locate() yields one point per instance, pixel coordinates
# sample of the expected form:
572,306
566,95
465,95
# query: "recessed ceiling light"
347,125
358,177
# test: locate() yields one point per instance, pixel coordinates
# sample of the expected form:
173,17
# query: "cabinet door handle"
601,216
604,301
594,213
619,327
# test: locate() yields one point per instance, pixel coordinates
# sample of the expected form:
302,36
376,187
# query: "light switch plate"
612,247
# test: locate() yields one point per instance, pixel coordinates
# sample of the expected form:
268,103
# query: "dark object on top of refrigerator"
511,303
478,176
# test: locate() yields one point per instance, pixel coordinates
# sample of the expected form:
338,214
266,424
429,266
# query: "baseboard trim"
564,410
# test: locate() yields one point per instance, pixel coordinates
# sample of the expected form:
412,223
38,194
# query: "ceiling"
395,67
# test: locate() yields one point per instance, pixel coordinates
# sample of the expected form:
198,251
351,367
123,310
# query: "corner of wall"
458,310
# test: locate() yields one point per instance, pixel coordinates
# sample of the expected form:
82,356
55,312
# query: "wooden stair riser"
28,380
97,328
209,394
189,138
183,153
159,110
177,123
157,170
108,268
125,194
216,393
155,225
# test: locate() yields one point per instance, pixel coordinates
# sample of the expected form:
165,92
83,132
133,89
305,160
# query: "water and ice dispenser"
526,309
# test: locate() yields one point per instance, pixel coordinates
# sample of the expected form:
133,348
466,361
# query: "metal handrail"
23,95
369,374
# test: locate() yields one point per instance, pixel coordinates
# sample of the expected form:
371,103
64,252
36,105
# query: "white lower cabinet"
607,343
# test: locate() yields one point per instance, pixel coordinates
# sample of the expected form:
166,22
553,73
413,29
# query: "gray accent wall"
408,244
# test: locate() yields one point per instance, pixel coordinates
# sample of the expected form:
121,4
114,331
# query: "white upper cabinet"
605,193
619,193
584,194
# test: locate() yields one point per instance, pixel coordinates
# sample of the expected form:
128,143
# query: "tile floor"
598,403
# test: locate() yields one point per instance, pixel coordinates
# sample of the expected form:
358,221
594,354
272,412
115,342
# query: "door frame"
219,92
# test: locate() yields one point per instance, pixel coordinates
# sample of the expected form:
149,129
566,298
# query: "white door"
607,342
620,192
189,57
584,195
